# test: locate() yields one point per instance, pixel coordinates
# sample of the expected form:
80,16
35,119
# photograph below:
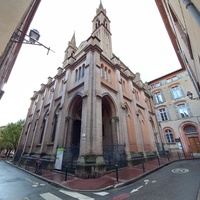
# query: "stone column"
114,121
69,121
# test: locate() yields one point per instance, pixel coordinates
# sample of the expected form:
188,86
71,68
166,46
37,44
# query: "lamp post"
32,38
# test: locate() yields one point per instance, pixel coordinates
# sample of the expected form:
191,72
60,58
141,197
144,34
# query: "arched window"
109,75
83,70
101,70
55,121
190,130
169,136
97,23
105,74
76,76
43,128
105,23
79,75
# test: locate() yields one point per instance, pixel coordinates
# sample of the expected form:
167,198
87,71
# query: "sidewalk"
125,176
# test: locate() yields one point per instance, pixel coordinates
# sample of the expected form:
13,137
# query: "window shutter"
163,97
154,99
171,93
189,110
168,115
181,90
158,115
177,112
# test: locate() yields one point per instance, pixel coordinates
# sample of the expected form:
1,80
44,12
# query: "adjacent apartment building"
95,112
182,22
178,115
15,19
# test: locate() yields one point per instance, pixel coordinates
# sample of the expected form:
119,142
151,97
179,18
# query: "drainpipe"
193,10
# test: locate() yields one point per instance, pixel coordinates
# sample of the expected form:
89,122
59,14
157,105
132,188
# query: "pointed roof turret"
100,8
72,43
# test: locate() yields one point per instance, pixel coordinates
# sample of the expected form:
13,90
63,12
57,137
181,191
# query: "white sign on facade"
59,158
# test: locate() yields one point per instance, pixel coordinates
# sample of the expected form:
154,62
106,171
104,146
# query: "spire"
100,8
71,49
72,43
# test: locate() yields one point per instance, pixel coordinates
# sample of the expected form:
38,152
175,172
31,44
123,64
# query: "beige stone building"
94,113
15,18
178,116
182,21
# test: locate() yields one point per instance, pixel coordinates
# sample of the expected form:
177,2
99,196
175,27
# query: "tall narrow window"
76,76
158,97
43,128
105,73
83,70
55,121
183,110
169,136
176,92
79,75
162,114
109,75
101,70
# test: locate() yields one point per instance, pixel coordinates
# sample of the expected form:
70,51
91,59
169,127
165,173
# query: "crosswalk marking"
76,195
101,193
49,196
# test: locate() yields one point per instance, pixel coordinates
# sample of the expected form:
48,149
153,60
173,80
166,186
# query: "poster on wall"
59,158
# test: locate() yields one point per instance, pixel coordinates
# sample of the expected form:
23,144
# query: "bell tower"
101,29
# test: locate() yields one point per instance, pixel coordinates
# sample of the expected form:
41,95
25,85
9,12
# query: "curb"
56,184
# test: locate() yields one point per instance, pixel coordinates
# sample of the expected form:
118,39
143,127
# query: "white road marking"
135,190
101,193
49,196
76,195
146,182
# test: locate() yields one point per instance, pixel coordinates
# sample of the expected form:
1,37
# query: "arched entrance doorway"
73,132
76,114
113,152
193,138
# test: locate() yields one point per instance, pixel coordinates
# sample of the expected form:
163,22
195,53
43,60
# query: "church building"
93,114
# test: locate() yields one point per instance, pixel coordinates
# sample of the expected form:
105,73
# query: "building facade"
93,113
178,116
15,18
182,21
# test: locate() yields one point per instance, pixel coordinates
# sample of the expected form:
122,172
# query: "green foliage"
9,136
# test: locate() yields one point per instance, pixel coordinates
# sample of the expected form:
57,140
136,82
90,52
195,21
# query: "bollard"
143,165
27,165
158,160
66,173
178,155
116,168
168,157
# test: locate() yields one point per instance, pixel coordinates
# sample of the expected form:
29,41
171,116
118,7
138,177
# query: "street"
177,181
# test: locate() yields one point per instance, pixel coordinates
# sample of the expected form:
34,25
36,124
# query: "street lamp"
32,38
190,96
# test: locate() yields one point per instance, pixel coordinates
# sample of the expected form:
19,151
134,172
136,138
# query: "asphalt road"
177,181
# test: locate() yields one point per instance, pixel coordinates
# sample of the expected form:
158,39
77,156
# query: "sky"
139,39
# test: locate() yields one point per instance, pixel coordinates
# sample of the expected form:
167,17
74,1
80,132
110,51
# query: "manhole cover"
180,170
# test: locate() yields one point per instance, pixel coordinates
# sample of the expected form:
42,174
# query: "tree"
9,136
